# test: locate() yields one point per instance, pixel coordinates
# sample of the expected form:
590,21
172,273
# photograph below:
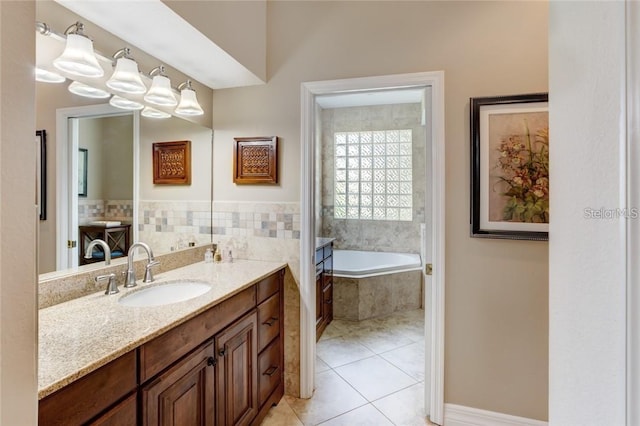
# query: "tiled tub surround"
95,329
90,210
376,235
357,299
172,225
59,287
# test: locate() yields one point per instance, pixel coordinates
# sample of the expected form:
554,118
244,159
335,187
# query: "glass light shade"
78,58
120,102
46,76
188,103
126,77
87,91
154,113
160,92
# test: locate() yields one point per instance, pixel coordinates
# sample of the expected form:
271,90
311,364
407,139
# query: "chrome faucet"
151,262
105,247
112,286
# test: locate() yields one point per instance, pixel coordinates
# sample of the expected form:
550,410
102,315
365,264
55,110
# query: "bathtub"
364,264
375,284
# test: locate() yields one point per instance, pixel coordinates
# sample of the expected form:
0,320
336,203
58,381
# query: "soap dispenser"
217,257
208,256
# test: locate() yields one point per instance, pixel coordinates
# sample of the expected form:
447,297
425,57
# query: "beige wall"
117,153
175,129
18,314
496,291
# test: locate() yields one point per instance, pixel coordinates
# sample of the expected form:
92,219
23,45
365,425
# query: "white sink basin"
166,293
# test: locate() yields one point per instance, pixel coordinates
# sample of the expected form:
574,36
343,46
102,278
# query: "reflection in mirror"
165,216
105,185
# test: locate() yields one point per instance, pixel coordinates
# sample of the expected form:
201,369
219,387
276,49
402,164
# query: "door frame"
434,309
633,200
66,175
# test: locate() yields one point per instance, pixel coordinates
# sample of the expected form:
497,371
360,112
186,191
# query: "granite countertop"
322,241
81,335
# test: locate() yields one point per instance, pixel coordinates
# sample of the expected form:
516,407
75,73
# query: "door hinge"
71,244
428,269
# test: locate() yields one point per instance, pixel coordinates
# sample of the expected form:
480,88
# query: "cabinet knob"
222,352
211,361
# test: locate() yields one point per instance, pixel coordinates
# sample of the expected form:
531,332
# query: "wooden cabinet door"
327,301
319,303
183,395
237,372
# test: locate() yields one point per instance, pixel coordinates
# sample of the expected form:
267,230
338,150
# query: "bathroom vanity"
216,359
324,284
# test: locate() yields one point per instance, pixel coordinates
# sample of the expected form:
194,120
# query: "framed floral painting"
510,167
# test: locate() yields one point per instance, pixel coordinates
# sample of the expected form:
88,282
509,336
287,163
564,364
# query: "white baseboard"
458,415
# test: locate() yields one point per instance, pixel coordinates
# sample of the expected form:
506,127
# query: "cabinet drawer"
123,414
269,370
268,320
164,350
89,396
268,286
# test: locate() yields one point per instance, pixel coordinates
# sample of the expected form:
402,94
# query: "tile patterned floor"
368,373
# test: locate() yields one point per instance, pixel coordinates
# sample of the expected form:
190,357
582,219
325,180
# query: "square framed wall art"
172,163
255,160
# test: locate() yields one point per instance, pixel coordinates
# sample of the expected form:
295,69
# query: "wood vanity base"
223,367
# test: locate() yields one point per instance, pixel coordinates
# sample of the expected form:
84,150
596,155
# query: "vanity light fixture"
87,91
45,76
120,102
188,103
78,57
160,92
126,77
154,113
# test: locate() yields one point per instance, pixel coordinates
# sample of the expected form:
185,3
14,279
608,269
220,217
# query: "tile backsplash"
270,220
90,210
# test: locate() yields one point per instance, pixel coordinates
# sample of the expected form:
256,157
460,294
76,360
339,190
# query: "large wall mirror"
100,172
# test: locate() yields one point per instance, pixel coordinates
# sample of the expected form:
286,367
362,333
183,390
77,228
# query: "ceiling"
156,29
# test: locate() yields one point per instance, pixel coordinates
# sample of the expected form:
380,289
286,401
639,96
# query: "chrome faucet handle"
112,285
148,273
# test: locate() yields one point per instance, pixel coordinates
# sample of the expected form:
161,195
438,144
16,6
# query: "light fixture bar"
188,105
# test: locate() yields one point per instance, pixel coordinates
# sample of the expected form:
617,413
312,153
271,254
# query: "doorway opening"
430,86
74,190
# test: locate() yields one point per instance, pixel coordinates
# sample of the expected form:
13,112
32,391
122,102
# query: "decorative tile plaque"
255,160
172,163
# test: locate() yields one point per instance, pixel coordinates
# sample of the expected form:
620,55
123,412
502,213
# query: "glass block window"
373,178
